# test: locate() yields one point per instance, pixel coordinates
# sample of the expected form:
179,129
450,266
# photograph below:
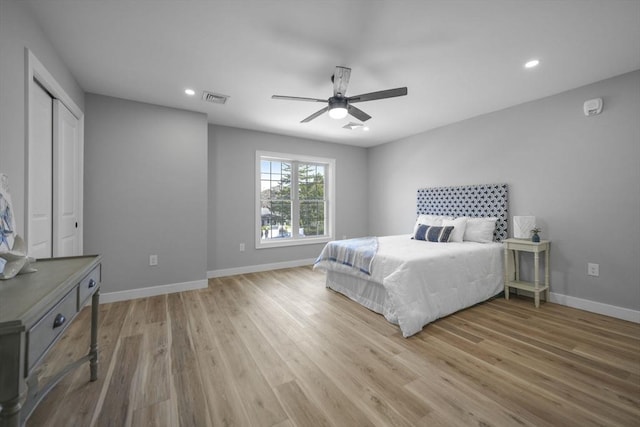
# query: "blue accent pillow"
433,233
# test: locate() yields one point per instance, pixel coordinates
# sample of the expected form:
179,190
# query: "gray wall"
580,177
145,192
232,154
18,31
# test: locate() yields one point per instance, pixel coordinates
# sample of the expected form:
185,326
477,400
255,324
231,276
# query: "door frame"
36,70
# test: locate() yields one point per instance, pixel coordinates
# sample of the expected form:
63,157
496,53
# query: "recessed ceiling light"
531,64
190,92
365,128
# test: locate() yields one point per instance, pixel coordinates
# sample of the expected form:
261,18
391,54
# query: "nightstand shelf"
517,245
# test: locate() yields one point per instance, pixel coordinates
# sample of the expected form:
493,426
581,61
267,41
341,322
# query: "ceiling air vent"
215,98
352,126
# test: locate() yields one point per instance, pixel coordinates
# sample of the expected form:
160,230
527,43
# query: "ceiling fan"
339,105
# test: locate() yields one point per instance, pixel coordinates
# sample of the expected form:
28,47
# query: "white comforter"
425,281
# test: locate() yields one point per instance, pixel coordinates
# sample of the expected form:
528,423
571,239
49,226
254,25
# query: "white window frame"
295,238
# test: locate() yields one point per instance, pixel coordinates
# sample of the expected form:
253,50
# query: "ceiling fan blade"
297,98
389,93
358,113
341,80
314,115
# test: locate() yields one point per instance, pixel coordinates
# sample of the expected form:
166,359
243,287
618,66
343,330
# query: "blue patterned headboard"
487,200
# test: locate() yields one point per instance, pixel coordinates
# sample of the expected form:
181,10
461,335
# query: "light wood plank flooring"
279,349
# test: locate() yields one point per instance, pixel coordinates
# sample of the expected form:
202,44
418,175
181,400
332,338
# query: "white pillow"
459,225
429,220
480,230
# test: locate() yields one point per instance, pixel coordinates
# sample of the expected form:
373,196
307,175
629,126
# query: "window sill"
274,243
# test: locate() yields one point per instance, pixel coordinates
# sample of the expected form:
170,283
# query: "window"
294,199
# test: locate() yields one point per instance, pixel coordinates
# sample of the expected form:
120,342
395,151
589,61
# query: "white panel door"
40,173
66,181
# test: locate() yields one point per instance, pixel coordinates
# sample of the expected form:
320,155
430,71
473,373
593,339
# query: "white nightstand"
517,245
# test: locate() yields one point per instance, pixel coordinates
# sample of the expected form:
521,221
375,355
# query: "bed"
414,279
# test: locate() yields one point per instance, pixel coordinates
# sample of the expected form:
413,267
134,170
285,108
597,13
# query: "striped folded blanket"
357,253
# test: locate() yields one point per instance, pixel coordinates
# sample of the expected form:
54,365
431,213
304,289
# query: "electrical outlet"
241,247
593,269
153,259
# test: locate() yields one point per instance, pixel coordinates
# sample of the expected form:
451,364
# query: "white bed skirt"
365,292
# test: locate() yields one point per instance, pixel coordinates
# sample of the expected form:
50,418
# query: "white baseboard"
597,307
569,301
260,267
152,291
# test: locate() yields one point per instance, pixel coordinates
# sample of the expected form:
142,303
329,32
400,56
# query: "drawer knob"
92,283
59,320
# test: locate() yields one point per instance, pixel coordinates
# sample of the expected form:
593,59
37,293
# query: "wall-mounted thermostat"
593,107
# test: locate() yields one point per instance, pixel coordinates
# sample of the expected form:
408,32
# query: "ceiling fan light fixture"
337,108
338,113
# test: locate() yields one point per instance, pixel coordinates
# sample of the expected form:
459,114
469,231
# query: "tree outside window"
311,195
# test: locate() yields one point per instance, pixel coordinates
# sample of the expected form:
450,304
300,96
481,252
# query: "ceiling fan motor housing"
337,102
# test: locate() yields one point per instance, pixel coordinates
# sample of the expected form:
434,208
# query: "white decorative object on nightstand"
517,245
522,226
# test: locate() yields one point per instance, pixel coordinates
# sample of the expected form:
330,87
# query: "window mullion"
295,202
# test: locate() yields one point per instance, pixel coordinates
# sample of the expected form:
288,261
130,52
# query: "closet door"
54,166
66,181
40,173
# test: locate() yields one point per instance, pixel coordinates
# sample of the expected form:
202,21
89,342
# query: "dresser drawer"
88,286
47,329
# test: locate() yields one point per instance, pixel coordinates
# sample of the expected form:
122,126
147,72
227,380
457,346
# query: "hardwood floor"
279,349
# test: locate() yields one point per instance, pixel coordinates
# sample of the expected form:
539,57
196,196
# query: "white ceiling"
459,59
